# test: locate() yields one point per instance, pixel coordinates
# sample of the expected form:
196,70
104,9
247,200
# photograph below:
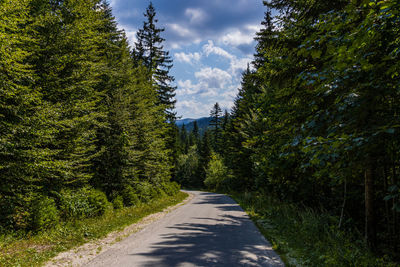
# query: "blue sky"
210,41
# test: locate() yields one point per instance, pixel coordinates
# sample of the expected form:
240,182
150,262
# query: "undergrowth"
34,249
304,237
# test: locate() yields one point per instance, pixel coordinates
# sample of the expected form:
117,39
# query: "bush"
7,209
187,168
29,211
82,203
98,202
118,202
171,188
145,191
129,196
158,192
217,174
44,213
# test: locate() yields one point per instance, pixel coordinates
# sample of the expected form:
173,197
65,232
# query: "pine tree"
66,62
149,50
24,159
195,133
216,114
205,152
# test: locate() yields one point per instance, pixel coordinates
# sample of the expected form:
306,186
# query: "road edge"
83,254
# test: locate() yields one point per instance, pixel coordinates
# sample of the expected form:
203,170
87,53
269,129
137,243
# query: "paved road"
210,230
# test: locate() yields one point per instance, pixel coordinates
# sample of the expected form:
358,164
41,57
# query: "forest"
88,122
315,122
85,119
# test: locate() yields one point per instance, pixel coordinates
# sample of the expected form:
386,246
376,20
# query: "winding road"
210,230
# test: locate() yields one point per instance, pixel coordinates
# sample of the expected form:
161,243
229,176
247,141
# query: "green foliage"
44,213
217,174
21,249
317,115
145,191
149,52
304,237
187,168
118,203
77,111
82,203
130,198
171,188
98,202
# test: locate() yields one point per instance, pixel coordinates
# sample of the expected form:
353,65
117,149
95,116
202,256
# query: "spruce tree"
66,63
215,123
24,159
150,51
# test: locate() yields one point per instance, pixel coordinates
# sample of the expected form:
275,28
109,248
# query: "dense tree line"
84,119
316,120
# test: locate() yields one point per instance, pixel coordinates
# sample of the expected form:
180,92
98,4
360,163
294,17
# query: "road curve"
211,230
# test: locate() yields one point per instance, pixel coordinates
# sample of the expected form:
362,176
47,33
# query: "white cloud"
213,78
254,28
179,30
187,88
189,58
210,82
237,66
193,108
237,37
196,15
184,34
210,48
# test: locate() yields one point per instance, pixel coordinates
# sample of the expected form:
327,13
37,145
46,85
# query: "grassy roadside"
303,237
34,250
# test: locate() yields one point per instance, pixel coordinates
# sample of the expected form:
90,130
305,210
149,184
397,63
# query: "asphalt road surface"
210,230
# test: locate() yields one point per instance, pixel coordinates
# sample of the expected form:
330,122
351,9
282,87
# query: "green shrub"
98,202
158,192
175,187
7,208
129,196
305,237
44,213
217,174
74,204
82,203
171,188
145,191
118,202
29,211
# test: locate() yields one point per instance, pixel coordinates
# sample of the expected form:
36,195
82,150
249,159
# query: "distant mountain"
184,121
202,123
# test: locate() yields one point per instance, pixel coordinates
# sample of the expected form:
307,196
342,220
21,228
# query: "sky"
210,41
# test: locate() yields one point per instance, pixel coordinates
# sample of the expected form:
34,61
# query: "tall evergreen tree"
149,50
24,131
216,114
66,61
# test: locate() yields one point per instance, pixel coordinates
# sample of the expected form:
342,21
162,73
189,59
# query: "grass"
21,249
303,237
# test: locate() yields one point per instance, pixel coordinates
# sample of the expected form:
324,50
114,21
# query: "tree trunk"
394,213
370,230
343,204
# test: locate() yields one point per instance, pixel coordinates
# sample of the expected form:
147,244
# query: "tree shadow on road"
229,240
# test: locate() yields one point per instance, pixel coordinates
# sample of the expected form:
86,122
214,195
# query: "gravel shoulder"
82,255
